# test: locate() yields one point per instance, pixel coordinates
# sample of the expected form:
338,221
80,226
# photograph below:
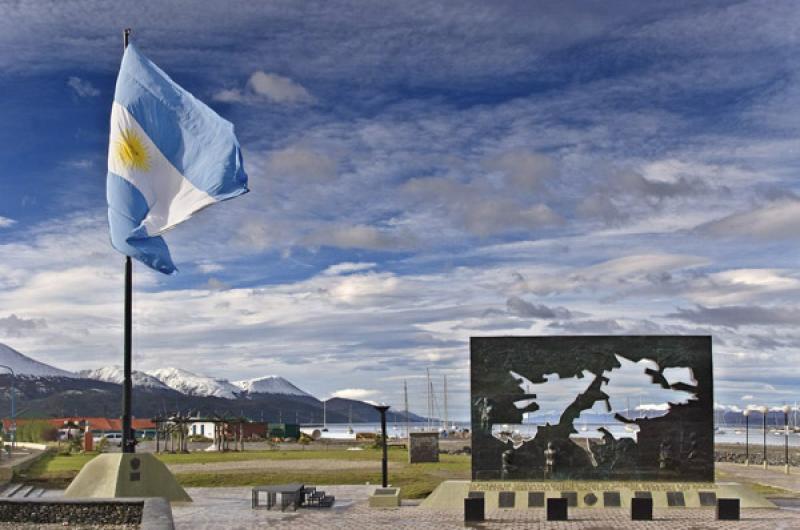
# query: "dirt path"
274,465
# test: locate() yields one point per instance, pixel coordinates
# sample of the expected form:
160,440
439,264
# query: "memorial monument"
595,420
513,378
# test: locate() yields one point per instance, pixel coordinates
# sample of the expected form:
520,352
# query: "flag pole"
128,440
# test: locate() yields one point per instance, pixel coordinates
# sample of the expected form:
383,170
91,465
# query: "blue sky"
420,173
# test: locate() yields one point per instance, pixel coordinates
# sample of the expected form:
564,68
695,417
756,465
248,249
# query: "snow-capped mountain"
115,374
270,384
195,385
23,365
46,390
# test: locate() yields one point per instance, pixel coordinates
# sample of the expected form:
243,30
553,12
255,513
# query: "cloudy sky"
421,173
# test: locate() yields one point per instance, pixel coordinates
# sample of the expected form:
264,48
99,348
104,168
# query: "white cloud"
14,326
5,222
348,267
82,88
736,286
209,267
778,220
362,394
356,287
524,171
266,87
358,236
297,162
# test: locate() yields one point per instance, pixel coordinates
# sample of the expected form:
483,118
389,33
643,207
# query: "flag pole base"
115,475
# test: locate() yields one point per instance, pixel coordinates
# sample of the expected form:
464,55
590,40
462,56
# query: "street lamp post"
13,407
746,436
385,461
786,410
764,411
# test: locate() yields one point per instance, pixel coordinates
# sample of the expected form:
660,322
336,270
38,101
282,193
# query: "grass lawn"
418,480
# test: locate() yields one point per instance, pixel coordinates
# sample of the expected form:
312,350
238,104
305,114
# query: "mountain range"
46,391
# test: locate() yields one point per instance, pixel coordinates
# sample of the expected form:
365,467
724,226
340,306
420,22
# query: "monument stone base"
385,498
114,475
450,494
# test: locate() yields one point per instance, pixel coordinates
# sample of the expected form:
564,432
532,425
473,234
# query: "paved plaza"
229,508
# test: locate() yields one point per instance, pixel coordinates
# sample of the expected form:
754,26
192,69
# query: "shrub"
102,445
37,431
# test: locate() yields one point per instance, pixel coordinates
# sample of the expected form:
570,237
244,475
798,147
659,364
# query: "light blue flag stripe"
126,209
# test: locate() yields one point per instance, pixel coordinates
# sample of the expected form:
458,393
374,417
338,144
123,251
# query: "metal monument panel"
592,408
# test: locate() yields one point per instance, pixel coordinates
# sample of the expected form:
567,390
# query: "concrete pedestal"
385,498
114,475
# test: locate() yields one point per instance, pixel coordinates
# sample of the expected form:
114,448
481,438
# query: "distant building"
70,426
201,427
249,429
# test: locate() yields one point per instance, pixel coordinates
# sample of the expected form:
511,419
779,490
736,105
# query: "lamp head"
786,409
746,412
763,409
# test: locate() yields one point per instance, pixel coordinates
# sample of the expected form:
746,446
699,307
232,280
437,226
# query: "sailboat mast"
445,404
405,398
430,403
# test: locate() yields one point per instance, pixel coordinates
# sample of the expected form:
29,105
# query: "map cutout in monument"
584,407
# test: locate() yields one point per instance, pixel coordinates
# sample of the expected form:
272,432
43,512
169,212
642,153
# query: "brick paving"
229,508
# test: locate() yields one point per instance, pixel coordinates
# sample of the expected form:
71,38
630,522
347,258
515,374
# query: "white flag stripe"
171,197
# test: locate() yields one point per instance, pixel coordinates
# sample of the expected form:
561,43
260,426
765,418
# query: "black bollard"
641,509
557,509
474,510
728,509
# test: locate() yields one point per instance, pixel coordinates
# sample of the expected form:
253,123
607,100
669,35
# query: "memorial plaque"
643,495
475,495
590,499
561,408
535,499
611,499
572,498
423,447
675,498
506,499
707,498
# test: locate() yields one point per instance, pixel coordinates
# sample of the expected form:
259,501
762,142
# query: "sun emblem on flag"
132,152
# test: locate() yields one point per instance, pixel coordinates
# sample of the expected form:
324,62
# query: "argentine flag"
169,155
